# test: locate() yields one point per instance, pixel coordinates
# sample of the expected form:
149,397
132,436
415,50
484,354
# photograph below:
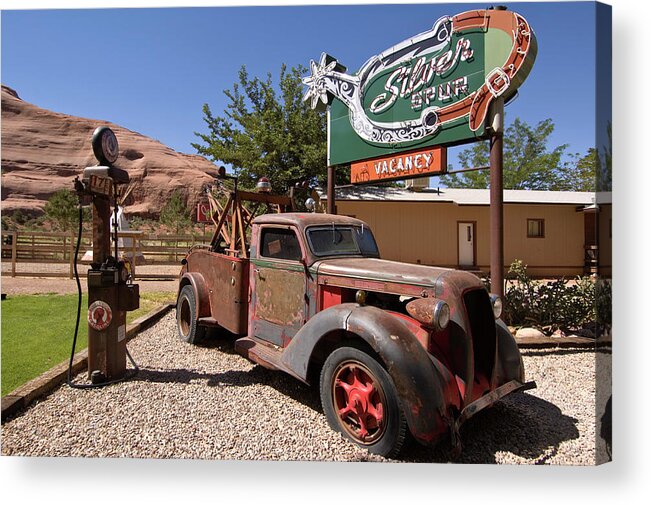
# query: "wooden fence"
52,248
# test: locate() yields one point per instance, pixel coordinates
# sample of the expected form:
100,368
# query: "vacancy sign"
406,165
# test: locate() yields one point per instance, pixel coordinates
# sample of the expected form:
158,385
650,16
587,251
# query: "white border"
52,480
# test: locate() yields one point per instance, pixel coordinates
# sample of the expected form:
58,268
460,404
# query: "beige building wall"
426,232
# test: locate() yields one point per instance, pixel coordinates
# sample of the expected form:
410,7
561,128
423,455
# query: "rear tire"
360,401
187,317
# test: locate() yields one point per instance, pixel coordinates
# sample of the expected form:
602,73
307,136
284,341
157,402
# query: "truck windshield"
342,240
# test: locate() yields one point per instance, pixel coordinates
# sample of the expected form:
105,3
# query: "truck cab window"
342,241
279,243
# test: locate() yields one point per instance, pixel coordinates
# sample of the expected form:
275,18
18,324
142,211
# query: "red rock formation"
43,151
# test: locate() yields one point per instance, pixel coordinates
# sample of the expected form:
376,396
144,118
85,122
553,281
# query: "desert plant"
551,305
604,303
19,217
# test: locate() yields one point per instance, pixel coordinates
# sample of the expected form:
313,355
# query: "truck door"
278,286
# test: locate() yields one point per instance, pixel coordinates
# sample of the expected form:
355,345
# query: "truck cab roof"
302,220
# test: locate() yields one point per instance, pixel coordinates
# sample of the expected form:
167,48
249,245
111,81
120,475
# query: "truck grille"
482,329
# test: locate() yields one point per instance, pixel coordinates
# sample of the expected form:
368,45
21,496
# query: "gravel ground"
209,403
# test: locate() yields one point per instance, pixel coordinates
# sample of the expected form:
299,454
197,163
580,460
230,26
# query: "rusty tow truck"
396,349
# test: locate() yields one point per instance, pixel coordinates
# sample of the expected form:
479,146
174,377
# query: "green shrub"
18,217
62,209
604,303
551,305
175,214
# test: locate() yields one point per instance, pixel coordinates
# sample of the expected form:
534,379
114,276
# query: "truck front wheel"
186,317
360,401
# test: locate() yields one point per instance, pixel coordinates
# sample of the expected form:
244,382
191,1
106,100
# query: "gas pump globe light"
105,145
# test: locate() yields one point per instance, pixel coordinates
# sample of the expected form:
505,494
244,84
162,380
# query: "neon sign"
432,89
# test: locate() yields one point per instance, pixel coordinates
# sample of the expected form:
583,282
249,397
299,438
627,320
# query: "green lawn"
37,332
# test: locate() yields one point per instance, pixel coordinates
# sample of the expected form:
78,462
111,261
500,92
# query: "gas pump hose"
134,370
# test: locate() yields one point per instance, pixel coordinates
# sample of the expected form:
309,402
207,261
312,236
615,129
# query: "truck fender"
417,380
201,294
509,365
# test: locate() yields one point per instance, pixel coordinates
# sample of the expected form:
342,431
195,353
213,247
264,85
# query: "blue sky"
151,70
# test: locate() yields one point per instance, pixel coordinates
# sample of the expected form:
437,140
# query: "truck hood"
438,280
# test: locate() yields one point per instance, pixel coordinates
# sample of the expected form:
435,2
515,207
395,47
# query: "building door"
466,238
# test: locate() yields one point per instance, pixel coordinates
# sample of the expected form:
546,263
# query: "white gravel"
209,403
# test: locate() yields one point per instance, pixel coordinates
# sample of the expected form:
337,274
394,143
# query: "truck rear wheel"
186,317
361,402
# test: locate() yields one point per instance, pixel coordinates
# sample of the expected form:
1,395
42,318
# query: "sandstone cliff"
43,151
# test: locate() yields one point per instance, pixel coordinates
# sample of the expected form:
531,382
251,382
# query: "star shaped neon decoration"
316,82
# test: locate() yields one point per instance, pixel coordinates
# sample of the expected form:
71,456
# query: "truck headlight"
442,314
496,303
430,312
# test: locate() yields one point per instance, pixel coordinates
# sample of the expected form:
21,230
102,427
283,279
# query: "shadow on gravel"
564,352
522,424
528,427
238,378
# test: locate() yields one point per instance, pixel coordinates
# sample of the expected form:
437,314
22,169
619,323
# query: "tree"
268,131
63,209
528,162
580,174
175,213
605,162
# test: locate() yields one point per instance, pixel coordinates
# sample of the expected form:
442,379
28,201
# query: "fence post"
14,252
133,256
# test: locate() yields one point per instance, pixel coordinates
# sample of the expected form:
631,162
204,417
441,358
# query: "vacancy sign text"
421,163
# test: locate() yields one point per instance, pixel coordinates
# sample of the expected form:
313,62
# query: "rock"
529,333
43,151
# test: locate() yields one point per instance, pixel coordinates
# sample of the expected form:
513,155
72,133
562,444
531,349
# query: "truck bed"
227,279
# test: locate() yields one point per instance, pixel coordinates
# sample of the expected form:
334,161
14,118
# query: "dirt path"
40,283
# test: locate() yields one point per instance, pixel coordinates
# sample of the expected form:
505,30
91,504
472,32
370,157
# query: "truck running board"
263,353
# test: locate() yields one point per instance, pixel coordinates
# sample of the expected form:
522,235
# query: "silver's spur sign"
432,89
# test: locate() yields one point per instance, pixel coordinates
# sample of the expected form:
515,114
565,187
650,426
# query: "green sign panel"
433,89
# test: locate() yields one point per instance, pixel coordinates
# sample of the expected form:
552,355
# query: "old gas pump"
110,293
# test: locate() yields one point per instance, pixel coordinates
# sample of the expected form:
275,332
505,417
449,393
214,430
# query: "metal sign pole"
497,198
331,190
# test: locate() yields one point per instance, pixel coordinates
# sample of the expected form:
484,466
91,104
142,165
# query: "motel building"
555,233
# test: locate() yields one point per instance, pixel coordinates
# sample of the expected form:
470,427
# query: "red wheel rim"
359,402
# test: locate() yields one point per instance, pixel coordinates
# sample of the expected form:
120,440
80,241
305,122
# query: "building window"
535,228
